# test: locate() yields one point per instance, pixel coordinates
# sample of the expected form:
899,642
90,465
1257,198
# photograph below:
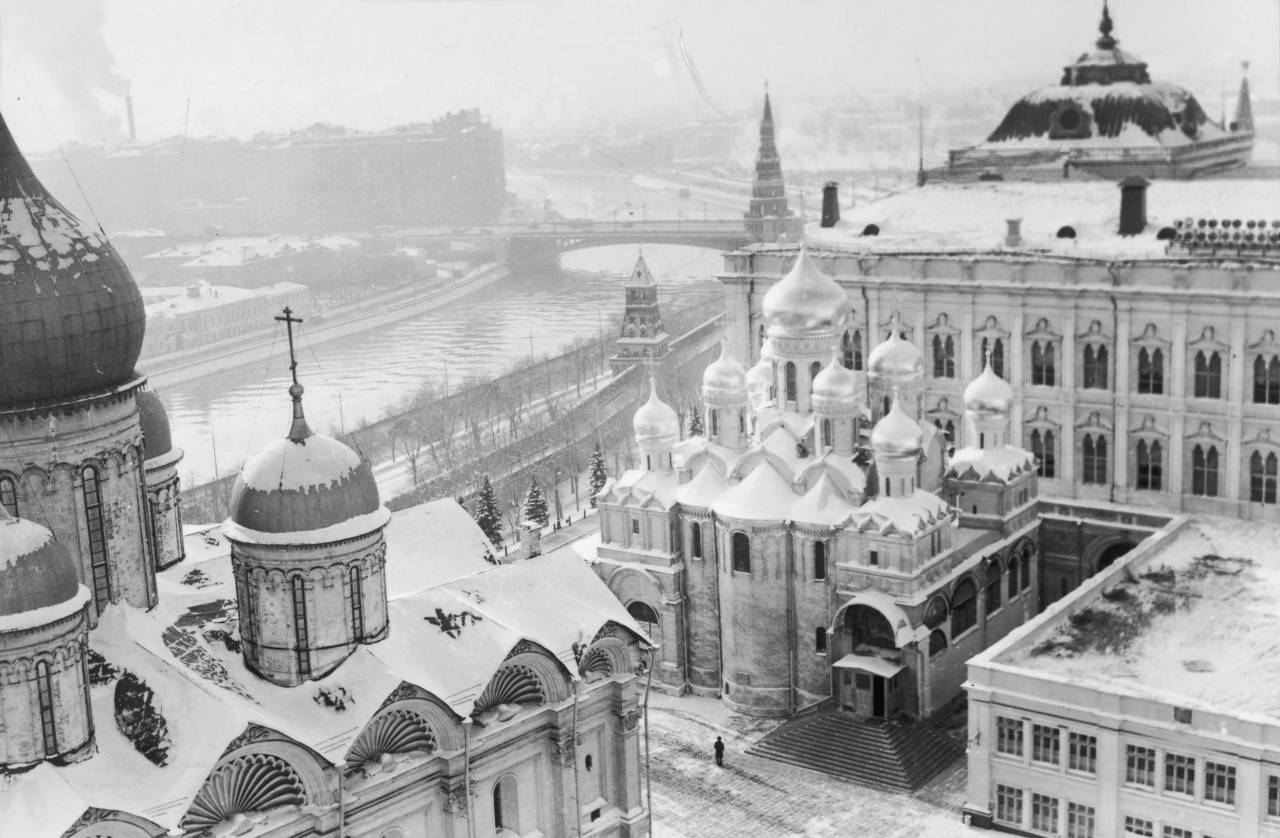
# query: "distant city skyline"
237,68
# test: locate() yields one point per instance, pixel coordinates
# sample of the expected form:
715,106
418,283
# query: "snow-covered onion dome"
835,385
156,438
897,434
806,300
43,614
988,394
303,483
655,423
65,278
896,358
724,378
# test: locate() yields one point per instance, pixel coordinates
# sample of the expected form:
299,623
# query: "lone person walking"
719,749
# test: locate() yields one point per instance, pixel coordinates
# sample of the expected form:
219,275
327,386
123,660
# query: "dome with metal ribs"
35,570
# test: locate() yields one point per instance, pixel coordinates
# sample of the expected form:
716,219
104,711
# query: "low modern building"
1146,703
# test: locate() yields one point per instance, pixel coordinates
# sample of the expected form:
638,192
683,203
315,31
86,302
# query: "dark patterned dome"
156,440
71,317
35,571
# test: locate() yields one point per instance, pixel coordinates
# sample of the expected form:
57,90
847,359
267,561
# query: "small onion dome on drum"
724,379
835,387
35,571
156,440
305,483
71,317
760,376
805,300
896,359
988,394
655,421
897,434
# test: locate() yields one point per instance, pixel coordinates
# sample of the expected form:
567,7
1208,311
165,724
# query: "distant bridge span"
543,241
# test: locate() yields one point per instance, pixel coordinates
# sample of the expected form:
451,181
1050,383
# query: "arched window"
1025,567
820,639
1043,368
695,540
827,436
944,356
97,537
9,495
857,351
964,607
742,423
868,626
1095,367
740,546
1262,478
993,587
1042,446
814,369
996,349
357,604
301,643
935,613
1204,471
506,805
819,560
643,613
1150,466
1094,459
715,422
48,719
1208,376
888,405
1011,590
937,642
791,381
949,430
1266,380
1150,370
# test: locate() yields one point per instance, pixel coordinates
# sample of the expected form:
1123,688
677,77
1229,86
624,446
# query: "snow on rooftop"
170,301
901,514
38,802
964,217
1196,621
1000,463
762,494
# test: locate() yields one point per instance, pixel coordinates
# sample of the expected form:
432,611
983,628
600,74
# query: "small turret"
896,443
895,366
657,429
724,394
835,407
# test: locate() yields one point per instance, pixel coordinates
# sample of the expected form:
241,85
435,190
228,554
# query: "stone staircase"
899,756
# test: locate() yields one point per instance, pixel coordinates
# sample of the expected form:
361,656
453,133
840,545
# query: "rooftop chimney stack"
830,203
1133,205
128,108
1013,236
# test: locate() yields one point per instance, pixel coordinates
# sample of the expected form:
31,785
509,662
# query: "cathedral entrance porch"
868,686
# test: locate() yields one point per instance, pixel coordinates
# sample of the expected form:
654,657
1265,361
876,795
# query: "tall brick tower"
768,219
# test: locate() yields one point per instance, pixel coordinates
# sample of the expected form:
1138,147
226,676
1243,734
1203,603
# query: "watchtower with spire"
307,550
642,338
768,218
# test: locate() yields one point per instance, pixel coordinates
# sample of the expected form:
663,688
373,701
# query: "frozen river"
540,310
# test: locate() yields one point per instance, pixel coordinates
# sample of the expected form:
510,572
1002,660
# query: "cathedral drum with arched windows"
44,698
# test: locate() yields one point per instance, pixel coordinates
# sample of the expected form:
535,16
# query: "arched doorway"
1104,552
867,682
1115,551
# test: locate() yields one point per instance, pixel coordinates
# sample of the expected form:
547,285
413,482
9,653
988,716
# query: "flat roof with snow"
1196,620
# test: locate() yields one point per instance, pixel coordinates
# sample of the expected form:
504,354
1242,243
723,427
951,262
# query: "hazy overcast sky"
259,65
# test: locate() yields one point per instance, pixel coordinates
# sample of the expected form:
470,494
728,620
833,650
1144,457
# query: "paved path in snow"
753,796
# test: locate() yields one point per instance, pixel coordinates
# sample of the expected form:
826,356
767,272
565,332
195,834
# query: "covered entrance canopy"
868,685
870,664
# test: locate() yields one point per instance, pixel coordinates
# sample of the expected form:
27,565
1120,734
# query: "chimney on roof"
1013,236
128,109
830,203
1133,205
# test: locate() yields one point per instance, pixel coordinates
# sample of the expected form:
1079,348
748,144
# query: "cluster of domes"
71,317
896,358
655,423
805,300
35,570
835,383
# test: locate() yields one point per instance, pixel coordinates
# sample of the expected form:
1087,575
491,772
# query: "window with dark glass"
855,351
1266,380
993,587
1012,576
964,607
1094,459
1208,375
1179,774
1044,813
790,372
695,540
1262,477
1150,370
1095,367
1150,472
1046,743
1204,471
1139,827
301,643
1044,449
741,549
1273,796
48,718
506,805
1009,805
1043,366
1081,820
819,560
9,495
97,537
820,639
1220,783
944,356
1140,766
1009,736
1082,752
357,604
993,350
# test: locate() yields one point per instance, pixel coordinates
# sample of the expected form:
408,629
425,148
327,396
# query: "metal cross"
288,320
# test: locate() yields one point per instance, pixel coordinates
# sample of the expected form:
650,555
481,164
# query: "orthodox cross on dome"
299,430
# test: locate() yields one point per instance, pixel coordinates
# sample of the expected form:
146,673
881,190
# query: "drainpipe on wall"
577,791
715,574
1115,359
791,617
648,778
466,775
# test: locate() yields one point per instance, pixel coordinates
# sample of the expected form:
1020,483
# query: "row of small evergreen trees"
488,516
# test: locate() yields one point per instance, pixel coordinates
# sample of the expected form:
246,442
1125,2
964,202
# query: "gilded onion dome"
725,376
835,382
988,394
896,358
897,434
806,300
656,421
